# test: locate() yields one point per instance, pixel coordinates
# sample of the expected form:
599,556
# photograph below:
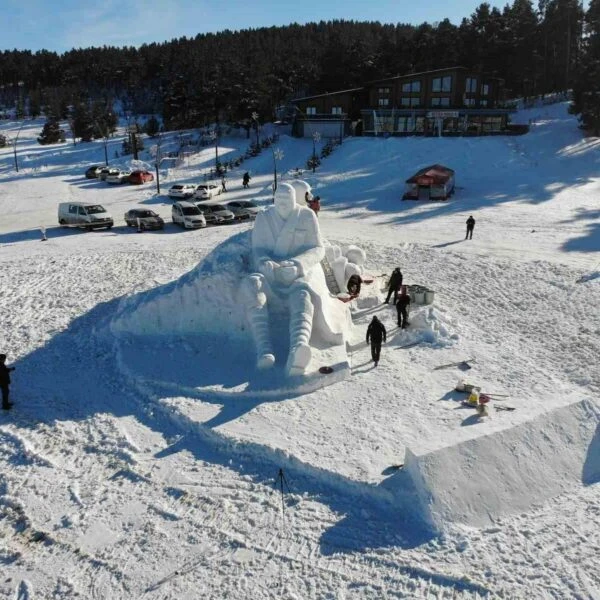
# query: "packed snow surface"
146,461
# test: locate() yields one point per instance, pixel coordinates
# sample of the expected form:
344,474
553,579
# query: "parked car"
138,177
243,209
83,214
93,172
182,190
187,215
104,172
205,191
143,219
215,214
118,177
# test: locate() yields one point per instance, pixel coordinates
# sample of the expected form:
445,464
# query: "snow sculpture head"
285,200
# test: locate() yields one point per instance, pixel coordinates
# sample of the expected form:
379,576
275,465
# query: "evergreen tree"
82,122
51,133
586,90
152,126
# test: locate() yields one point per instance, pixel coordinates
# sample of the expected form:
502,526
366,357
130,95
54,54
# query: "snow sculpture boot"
258,317
301,318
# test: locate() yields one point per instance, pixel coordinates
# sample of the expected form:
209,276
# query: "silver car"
215,214
243,209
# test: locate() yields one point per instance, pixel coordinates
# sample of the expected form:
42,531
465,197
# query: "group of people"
376,332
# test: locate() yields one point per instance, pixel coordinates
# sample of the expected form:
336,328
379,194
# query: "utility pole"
157,163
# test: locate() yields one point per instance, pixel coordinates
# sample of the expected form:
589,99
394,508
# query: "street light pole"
316,137
157,163
214,135
255,118
277,155
15,145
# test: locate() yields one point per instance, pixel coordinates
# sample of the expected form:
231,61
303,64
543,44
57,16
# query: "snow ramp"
507,468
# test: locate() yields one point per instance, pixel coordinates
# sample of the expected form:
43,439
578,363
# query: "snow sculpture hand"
286,273
267,268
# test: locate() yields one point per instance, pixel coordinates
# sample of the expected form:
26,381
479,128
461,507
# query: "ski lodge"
444,102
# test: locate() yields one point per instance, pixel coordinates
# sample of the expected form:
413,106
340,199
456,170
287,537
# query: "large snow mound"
510,468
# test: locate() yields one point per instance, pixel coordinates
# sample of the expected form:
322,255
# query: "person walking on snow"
376,334
470,227
5,381
402,305
394,285
246,179
223,183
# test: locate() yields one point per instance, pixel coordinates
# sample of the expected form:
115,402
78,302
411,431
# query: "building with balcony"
451,101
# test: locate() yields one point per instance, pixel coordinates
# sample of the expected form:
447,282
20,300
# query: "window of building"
441,84
311,110
483,103
336,110
409,101
384,102
471,85
441,101
485,89
469,102
383,91
411,86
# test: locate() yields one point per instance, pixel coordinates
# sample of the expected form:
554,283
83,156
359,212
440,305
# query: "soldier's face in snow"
284,204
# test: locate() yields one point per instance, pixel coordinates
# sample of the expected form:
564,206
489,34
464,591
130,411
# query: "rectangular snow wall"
504,471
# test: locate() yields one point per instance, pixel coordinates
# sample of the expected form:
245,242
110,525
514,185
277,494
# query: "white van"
187,215
83,214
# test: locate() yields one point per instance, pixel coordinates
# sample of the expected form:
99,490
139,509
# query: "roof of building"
327,94
406,75
433,174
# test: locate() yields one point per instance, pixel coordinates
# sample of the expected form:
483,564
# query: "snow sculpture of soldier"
287,250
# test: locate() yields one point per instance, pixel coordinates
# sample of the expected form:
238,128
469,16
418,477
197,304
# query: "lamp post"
132,132
157,163
255,119
277,155
15,146
20,108
104,132
316,136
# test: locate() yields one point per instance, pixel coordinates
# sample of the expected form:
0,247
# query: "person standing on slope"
402,307
376,334
394,285
470,227
5,381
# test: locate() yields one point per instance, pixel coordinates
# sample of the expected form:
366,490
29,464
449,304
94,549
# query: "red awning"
432,175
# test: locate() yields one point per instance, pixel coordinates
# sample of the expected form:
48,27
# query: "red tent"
437,179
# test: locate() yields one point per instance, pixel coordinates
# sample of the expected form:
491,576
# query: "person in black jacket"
376,334
402,305
394,285
246,179
5,381
354,284
470,227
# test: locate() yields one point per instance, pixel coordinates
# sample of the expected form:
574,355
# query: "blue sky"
60,25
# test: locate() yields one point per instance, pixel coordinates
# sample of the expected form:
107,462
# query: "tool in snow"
461,364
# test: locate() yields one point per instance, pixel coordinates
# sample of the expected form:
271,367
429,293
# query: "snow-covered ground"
123,477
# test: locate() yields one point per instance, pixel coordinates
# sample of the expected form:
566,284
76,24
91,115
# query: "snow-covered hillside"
133,467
